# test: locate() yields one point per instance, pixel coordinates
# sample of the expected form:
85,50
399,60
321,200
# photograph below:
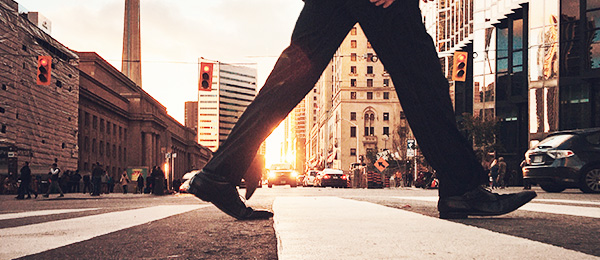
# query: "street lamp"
385,139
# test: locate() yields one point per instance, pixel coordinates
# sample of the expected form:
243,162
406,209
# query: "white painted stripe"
581,202
322,227
32,239
41,213
590,212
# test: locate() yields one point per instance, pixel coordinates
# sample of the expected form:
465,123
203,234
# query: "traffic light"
44,69
459,69
206,73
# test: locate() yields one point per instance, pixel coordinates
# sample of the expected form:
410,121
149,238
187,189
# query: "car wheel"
590,181
293,185
552,187
270,185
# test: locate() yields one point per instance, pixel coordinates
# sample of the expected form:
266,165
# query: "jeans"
401,42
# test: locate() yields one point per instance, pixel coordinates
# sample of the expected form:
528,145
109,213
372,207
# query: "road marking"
590,212
41,213
18,241
322,227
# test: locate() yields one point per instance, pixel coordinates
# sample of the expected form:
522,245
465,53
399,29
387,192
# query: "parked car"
309,178
186,180
566,159
332,178
282,174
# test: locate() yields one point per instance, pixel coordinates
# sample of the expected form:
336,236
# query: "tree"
482,132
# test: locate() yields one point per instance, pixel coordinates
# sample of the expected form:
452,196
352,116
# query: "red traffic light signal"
459,68
44,69
206,73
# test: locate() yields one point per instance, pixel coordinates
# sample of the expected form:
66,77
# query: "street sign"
381,164
410,147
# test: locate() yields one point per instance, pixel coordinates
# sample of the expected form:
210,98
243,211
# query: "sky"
174,35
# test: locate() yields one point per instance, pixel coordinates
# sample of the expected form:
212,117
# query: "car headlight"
271,175
559,154
294,174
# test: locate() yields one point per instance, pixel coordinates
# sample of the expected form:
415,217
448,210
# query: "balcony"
369,139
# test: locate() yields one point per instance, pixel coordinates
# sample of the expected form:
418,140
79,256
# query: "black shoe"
45,196
481,202
224,195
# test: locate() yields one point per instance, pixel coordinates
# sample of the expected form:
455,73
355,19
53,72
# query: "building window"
352,151
95,122
369,83
353,31
353,57
386,95
369,123
386,130
353,116
353,44
101,125
352,95
386,82
369,69
87,119
353,131
352,82
386,116
101,148
369,95
352,69
94,145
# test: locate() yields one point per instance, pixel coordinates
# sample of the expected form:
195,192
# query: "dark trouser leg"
320,29
399,37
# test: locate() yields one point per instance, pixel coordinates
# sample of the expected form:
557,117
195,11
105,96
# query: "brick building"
37,123
89,113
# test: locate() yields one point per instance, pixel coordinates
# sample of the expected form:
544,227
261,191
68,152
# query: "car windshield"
553,141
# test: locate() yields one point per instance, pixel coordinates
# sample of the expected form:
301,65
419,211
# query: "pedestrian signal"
206,73
44,69
459,69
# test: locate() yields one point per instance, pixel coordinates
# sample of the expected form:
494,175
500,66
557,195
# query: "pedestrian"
87,184
140,184
75,181
124,181
25,186
158,177
526,182
54,181
97,173
494,174
396,31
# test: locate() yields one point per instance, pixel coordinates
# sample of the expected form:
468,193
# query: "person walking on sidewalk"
25,186
124,181
395,30
54,181
97,173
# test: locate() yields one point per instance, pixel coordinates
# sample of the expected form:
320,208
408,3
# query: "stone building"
37,123
122,126
353,108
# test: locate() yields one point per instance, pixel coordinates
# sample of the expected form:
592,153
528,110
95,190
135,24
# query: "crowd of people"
98,182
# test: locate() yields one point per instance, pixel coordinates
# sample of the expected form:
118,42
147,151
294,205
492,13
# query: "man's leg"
405,48
320,29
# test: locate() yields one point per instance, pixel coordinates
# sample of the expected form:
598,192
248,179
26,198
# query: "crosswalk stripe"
41,213
17,241
321,227
590,212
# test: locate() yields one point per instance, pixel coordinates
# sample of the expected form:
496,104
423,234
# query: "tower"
132,53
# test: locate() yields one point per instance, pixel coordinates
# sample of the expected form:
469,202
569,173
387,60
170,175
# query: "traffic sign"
381,164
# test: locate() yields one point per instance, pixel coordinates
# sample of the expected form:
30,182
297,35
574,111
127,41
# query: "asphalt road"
309,223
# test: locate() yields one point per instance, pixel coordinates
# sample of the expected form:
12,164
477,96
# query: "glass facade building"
533,65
